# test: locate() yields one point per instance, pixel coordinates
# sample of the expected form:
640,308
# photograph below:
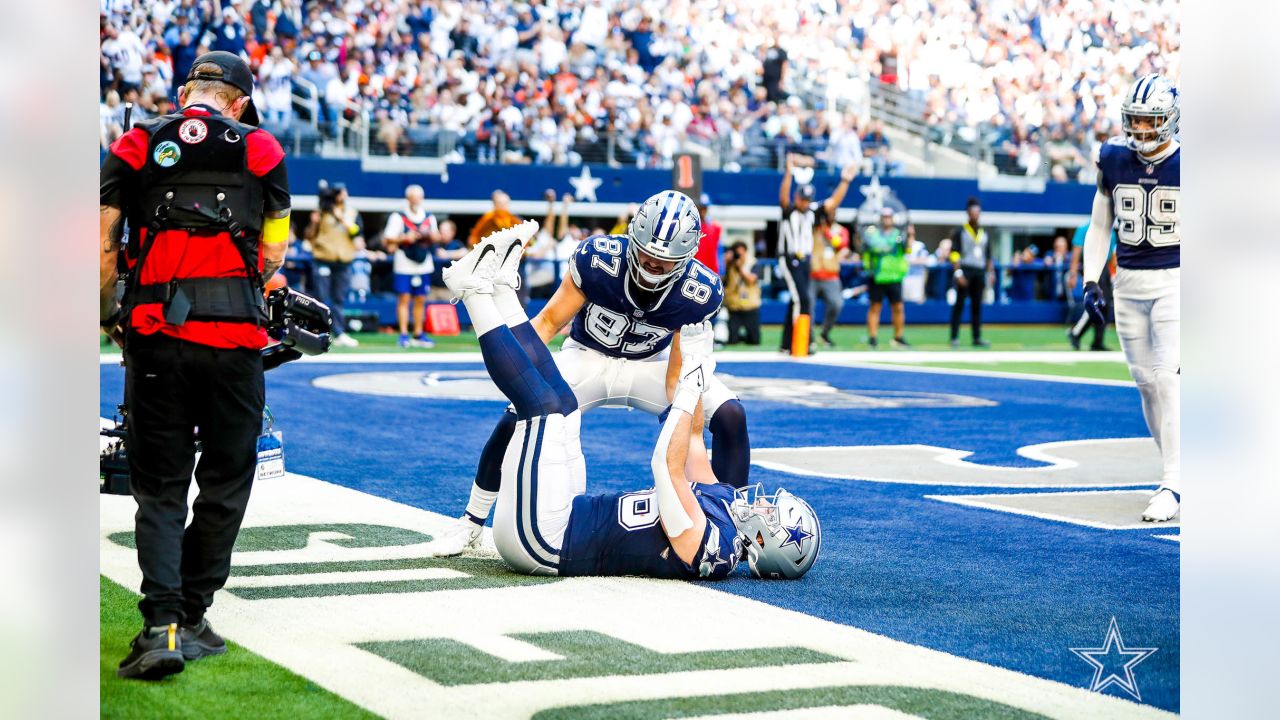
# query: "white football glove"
696,365
697,341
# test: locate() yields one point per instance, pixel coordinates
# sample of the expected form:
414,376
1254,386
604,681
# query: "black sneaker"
826,342
981,343
1099,348
901,342
156,653
873,342
1075,341
200,640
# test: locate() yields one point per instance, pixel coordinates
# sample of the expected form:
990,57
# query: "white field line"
989,502
317,637
355,576
897,361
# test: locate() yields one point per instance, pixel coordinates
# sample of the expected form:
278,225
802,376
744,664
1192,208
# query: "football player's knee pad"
1167,382
1144,377
729,417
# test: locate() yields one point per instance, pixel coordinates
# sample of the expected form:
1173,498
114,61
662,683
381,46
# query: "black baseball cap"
235,72
806,191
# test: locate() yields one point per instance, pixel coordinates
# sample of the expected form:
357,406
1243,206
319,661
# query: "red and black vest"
195,180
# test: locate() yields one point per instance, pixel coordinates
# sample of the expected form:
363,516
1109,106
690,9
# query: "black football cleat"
156,653
200,640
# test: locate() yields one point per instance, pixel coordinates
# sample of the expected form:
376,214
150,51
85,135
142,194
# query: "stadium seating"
960,77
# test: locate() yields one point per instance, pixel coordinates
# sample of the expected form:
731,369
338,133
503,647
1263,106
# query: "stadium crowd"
635,81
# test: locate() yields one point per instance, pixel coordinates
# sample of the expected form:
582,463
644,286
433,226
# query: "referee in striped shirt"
795,238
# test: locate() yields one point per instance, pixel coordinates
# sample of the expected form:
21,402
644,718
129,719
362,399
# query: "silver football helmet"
1151,97
781,532
666,226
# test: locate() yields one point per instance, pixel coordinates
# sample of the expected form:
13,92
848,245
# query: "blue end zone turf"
1005,589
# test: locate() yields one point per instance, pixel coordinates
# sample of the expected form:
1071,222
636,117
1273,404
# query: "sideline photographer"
206,198
336,236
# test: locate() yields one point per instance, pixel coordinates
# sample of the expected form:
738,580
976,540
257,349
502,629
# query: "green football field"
853,338
207,688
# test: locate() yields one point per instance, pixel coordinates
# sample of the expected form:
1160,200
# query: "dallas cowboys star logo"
711,560
875,193
584,186
796,534
1120,659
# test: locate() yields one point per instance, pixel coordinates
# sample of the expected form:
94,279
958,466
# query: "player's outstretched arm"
697,467
559,310
678,510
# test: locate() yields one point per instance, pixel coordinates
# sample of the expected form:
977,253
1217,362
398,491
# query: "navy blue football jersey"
620,534
613,322
1144,201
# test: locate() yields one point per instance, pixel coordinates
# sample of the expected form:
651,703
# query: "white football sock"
483,313
508,304
481,503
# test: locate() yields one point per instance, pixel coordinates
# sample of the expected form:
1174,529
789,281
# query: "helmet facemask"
666,227
1153,102
780,532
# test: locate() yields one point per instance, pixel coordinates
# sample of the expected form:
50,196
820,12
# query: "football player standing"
687,526
1138,190
627,296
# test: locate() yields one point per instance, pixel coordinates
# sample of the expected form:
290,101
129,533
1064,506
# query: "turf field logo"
1113,663
821,394
476,385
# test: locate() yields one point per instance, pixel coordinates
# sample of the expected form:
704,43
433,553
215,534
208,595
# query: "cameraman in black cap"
206,198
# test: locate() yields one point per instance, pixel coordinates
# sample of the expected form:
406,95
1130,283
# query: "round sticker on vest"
167,154
192,131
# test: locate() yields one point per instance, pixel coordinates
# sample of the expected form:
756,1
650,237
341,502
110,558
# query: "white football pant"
542,472
598,380
1147,322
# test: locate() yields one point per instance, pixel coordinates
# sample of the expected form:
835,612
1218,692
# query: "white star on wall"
875,193
584,186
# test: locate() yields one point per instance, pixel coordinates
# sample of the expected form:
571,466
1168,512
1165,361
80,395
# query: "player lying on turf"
626,296
687,526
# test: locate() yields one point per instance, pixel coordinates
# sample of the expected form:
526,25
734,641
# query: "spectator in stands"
973,270
742,295
846,146
875,144
709,246
830,247
773,76
110,119
335,234
974,69
392,116
275,78
318,73
547,260
228,31
411,234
